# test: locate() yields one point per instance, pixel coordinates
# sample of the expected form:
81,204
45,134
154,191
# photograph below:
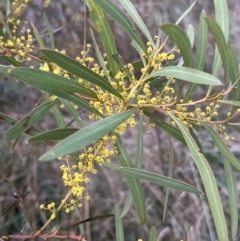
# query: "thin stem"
50,219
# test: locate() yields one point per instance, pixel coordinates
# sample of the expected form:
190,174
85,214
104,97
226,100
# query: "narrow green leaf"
75,68
140,52
127,205
170,167
69,107
201,52
154,178
208,180
14,144
29,120
232,196
187,74
182,41
224,150
50,32
11,121
234,71
40,78
38,36
186,12
202,43
11,60
222,18
105,33
230,102
118,225
191,34
221,43
196,139
171,130
56,112
137,19
32,131
99,56
120,18
72,98
140,146
133,183
153,234
87,135
57,134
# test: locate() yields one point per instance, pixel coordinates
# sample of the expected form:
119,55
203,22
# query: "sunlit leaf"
187,74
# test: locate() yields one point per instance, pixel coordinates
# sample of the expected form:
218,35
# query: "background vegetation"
188,216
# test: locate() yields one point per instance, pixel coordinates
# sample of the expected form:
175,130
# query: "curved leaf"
75,68
57,134
120,18
154,178
187,74
39,78
133,183
208,180
87,135
182,41
29,120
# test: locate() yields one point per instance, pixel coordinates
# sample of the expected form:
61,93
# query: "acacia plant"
118,95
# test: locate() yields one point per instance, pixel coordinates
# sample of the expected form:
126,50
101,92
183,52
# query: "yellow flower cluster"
19,43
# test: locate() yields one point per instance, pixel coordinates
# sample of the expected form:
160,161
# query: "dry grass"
186,213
